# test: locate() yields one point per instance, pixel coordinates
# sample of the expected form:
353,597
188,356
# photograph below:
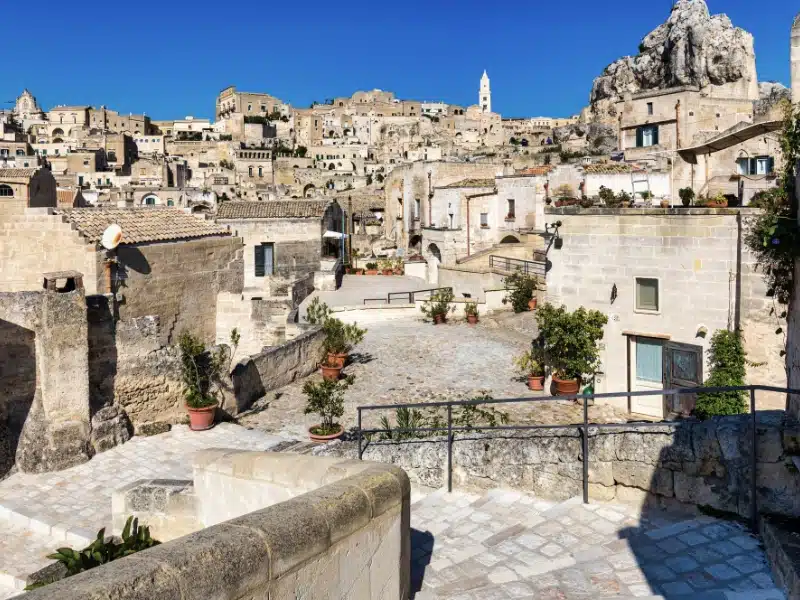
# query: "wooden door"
683,368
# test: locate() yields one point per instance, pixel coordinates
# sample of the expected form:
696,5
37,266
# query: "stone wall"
693,254
178,282
698,463
272,368
347,538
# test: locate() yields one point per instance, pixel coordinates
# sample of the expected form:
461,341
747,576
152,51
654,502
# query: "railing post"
360,454
585,450
754,460
449,448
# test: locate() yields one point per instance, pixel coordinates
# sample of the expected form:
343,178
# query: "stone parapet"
349,538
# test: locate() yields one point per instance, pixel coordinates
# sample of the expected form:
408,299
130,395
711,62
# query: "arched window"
20,152
6,191
170,202
58,131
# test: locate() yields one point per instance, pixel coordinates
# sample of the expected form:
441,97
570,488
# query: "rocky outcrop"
691,48
110,427
770,97
600,138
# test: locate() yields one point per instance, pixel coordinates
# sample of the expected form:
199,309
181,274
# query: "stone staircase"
504,544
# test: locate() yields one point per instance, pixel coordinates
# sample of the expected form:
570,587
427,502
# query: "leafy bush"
439,304
340,338
317,312
727,360
569,340
471,309
200,370
624,196
471,417
520,290
608,197
326,398
372,266
529,363
686,195
101,551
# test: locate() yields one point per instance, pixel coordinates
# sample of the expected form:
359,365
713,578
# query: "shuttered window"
647,136
263,260
646,294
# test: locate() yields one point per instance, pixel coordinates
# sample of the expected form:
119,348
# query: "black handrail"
411,296
509,265
583,427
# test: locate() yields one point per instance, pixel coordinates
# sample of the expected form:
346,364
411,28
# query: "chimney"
795,49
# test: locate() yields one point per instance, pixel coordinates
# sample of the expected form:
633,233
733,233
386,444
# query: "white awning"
333,234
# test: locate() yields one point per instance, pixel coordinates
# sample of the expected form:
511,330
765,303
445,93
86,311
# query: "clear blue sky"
170,58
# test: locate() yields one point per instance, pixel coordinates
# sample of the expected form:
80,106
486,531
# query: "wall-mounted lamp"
613,293
702,331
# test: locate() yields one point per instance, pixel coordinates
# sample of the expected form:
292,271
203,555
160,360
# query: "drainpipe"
737,301
678,125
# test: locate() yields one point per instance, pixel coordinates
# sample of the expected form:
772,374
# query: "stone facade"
693,256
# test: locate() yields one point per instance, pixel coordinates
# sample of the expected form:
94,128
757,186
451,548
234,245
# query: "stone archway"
510,239
434,259
415,243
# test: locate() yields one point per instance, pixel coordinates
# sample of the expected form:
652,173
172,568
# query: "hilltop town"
385,348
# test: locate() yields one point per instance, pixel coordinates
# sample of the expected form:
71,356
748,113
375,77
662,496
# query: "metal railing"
582,427
504,265
410,296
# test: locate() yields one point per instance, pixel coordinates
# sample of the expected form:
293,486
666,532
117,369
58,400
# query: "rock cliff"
771,93
691,48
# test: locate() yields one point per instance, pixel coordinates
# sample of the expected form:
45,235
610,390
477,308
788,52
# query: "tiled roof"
539,170
273,209
471,183
139,225
4,173
611,168
65,198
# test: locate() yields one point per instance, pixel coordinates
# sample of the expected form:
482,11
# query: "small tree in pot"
471,310
339,340
438,306
686,195
530,366
201,369
326,398
520,291
569,342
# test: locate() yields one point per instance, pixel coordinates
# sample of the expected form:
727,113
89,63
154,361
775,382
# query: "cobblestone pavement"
409,361
40,512
505,545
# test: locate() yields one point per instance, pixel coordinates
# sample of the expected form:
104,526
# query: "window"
484,219
264,259
250,171
647,294
649,108
417,208
512,211
646,136
260,172
3,152
761,165
649,361
6,191
150,200
170,203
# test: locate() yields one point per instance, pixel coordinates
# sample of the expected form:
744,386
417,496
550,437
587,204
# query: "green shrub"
200,369
439,304
686,195
520,288
340,338
608,197
472,417
317,312
569,340
728,367
101,551
326,398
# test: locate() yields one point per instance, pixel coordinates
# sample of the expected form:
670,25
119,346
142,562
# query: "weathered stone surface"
599,137
690,48
771,94
644,476
110,427
152,428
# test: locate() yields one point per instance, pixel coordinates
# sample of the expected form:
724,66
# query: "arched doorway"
434,259
434,251
415,244
151,200
510,239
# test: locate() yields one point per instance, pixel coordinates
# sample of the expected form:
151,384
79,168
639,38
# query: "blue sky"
170,58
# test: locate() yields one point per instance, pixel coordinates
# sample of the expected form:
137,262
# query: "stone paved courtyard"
505,545
407,361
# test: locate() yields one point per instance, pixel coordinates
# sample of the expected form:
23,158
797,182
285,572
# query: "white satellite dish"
112,236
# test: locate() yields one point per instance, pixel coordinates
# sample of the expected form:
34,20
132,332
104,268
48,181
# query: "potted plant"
200,371
399,267
718,201
532,368
339,341
437,307
569,343
624,199
686,195
331,370
520,288
372,268
386,267
608,197
647,196
471,310
664,203
326,398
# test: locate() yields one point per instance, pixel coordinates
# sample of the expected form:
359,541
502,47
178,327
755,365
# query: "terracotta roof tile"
538,170
17,173
139,225
273,209
611,168
471,183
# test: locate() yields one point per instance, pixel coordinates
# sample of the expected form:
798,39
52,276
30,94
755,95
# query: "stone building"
26,107
230,101
25,188
283,240
667,280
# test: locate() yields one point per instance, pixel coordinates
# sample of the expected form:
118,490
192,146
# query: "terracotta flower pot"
388,272
371,272
714,204
324,438
349,271
330,373
665,204
536,382
201,419
398,271
439,319
472,319
337,360
565,387
532,304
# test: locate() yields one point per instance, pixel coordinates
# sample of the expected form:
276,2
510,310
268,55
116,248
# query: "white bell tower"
485,95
